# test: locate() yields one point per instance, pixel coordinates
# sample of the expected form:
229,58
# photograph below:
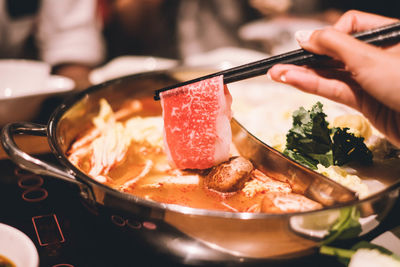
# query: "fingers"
356,21
355,54
342,46
372,68
311,82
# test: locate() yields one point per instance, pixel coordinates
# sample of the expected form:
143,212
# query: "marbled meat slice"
197,131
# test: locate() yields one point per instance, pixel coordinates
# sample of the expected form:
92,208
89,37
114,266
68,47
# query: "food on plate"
142,168
197,132
373,257
363,254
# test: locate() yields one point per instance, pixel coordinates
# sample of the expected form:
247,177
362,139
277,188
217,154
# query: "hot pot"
190,235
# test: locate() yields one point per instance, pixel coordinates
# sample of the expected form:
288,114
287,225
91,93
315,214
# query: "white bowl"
224,57
126,65
277,35
24,84
17,247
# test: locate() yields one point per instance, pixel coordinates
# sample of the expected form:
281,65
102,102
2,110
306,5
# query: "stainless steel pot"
192,235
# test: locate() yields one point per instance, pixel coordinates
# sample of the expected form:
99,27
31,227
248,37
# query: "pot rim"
84,178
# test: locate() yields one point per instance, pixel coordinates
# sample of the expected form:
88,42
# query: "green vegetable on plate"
363,254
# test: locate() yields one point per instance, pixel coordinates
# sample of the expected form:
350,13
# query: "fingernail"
269,76
283,78
303,36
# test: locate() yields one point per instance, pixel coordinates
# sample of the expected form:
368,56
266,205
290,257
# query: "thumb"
355,54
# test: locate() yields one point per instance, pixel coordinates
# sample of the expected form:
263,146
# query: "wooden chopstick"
381,36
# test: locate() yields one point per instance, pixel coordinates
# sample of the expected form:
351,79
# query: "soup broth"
124,150
142,168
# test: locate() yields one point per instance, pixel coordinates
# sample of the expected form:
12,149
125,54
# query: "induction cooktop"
69,233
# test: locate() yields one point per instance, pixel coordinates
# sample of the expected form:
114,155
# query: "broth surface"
144,171
166,185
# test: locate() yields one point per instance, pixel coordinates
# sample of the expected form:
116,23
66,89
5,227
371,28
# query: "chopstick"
381,36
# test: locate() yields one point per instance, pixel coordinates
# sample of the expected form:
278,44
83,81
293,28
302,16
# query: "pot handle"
27,162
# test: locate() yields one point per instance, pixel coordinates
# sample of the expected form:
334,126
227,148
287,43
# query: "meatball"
229,176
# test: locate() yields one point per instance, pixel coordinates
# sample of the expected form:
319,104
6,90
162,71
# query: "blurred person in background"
206,25
173,28
63,33
139,27
181,28
311,7
389,8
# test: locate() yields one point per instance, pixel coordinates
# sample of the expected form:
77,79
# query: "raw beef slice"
197,131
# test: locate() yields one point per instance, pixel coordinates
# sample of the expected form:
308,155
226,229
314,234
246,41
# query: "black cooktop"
68,233
65,231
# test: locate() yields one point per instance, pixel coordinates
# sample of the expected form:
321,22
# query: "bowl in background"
17,247
276,36
24,84
126,65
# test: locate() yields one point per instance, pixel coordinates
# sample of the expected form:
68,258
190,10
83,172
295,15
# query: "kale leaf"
309,141
347,147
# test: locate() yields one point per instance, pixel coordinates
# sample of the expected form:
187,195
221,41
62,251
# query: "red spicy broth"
144,172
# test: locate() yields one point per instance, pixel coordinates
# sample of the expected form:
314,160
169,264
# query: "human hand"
367,79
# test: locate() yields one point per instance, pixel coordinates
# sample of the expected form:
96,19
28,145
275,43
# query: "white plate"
17,247
11,102
224,57
389,240
55,84
318,225
126,65
277,35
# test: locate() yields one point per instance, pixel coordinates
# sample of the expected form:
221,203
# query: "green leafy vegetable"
365,244
347,226
309,141
347,147
344,255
